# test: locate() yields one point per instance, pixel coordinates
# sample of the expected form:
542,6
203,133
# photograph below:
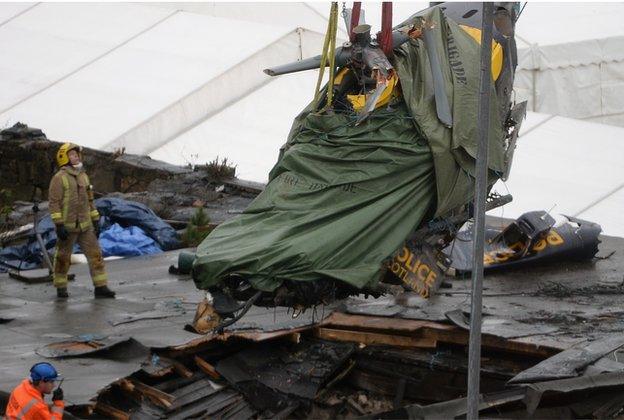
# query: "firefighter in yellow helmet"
76,219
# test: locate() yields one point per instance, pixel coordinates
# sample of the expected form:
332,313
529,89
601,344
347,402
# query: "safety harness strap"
328,57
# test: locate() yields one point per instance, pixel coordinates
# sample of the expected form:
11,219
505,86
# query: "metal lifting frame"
485,79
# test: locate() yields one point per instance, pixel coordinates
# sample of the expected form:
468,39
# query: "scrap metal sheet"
569,363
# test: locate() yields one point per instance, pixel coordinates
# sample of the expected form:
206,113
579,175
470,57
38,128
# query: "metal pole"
44,251
485,77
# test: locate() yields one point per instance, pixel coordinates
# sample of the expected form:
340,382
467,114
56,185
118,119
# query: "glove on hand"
57,395
61,232
96,227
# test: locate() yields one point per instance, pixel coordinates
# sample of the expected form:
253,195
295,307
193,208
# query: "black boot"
61,293
104,292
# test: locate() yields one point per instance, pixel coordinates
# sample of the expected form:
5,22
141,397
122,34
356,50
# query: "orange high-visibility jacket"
27,403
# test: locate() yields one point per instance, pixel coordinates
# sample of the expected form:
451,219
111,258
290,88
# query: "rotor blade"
342,55
371,102
443,108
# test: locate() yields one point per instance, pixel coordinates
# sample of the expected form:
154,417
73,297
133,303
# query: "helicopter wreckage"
376,178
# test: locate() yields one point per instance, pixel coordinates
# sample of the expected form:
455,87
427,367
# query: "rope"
328,57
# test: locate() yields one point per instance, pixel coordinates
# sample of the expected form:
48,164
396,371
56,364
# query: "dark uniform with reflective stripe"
71,204
27,403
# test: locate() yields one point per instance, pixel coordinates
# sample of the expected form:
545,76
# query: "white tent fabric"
287,14
66,77
126,75
569,167
10,11
571,60
248,133
160,79
222,89
38,51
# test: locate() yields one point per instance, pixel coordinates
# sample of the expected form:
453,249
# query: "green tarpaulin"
454,150
342,198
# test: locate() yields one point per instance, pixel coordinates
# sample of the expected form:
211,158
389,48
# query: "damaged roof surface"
549,306
552,305
151,308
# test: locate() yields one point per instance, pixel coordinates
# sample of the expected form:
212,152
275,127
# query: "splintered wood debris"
365,366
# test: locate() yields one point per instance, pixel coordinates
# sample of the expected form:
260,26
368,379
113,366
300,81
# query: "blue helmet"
43,372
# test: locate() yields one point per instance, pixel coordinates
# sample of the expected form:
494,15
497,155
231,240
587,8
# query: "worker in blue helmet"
27,399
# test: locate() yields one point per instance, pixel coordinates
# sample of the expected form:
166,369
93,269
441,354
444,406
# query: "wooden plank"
180,369
204,342
437,331
191,396
336,379
371,338
206,367
157,396
111,412
223,403
192,387
130,391
517,346
459,336
157,371
359,322
234,411
206,406
173,384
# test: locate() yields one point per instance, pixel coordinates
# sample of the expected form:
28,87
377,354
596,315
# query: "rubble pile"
366,216
552,354
352,366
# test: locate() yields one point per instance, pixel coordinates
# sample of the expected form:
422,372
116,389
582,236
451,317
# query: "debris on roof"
325,293
386,355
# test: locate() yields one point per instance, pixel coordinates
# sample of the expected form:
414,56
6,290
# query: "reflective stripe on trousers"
89,244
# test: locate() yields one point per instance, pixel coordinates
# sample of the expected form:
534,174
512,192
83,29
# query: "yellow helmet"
61,156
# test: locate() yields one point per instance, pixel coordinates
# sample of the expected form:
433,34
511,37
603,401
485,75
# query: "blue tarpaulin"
29,256
128,229
130,213
130,241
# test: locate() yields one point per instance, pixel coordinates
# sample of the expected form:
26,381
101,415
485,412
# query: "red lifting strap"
385,37
355,18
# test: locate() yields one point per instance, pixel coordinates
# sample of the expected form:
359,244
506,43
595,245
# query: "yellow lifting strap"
328,55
